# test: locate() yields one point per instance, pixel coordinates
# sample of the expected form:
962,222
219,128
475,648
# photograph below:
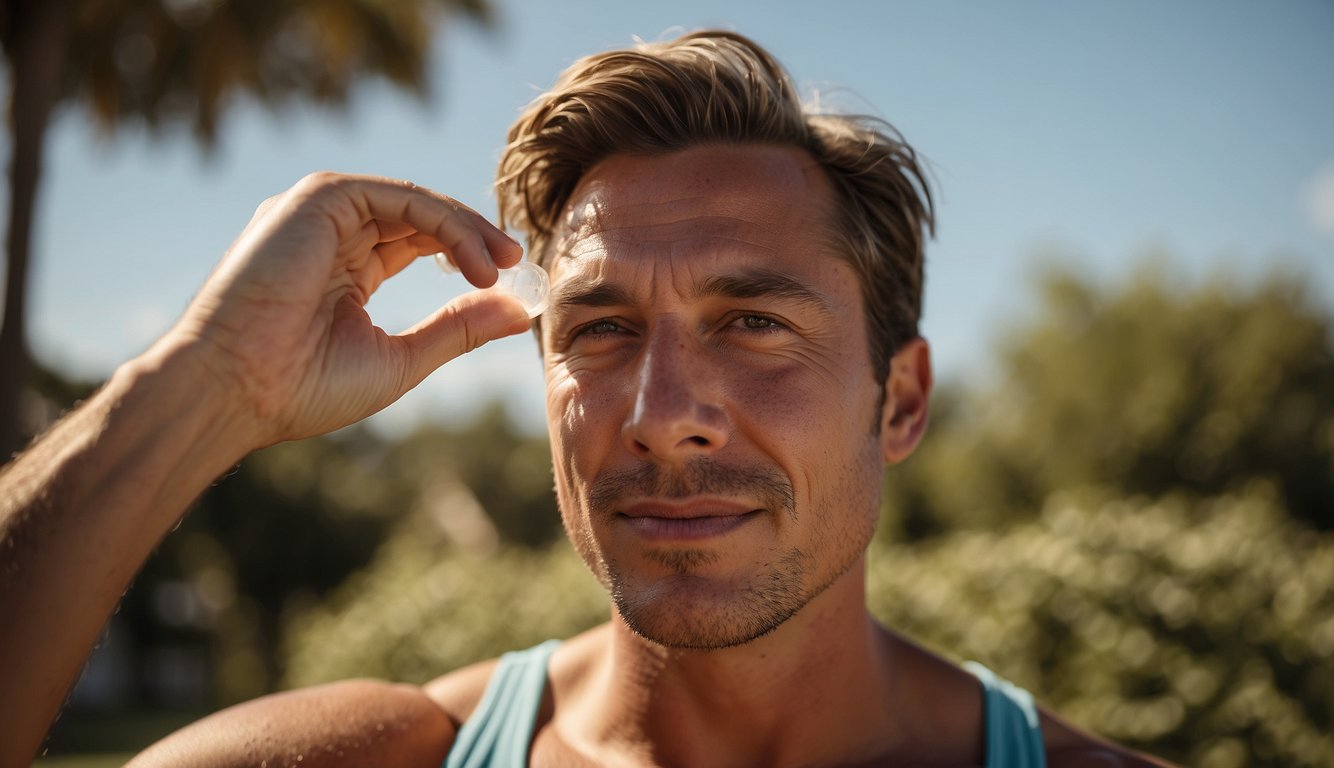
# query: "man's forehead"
710,222
717,187
715,195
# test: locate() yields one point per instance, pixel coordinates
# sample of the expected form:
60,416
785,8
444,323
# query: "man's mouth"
694,519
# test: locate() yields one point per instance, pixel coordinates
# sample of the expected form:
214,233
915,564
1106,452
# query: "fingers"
396,255
459,327
476,245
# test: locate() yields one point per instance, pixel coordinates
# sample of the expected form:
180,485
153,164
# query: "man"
731,357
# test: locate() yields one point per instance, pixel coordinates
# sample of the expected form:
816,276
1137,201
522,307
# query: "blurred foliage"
424,608
1149,387
287,526
292,522
296,519
1110,523
185,60
1131,519
1198,630
507,471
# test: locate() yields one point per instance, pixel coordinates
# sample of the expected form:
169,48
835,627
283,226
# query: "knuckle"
472,336
468,335
412,361
265,206
320,179
319,184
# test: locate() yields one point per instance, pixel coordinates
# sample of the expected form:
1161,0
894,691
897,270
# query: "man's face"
710,396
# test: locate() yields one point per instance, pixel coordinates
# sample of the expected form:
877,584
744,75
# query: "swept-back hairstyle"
719,87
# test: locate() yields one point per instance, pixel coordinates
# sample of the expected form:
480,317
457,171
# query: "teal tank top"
500,731
1013,731
501,728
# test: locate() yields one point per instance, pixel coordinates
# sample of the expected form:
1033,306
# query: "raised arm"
276,346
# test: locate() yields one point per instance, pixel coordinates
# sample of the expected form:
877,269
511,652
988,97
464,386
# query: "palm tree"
165,61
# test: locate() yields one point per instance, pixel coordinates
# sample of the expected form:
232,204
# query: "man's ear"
907,393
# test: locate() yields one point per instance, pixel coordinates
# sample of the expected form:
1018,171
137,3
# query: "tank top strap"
500,731
1013,730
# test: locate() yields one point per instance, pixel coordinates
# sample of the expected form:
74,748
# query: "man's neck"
815,690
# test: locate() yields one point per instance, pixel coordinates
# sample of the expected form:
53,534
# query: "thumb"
459,327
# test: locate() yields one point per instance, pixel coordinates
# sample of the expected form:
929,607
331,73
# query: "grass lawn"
89,760
107,740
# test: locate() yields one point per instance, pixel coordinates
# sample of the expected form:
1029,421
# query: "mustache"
696,478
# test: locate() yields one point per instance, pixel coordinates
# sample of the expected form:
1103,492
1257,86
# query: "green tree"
1146,388
164,61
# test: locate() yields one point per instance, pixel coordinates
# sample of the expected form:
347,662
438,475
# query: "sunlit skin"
710,392
719,437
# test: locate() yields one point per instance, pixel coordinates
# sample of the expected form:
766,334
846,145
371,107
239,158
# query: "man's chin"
695,636
695,613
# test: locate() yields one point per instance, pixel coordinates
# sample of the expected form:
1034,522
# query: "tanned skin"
718,438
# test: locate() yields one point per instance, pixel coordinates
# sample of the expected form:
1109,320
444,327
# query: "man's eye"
756,322
599,328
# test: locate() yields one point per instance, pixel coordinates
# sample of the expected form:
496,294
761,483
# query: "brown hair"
711,87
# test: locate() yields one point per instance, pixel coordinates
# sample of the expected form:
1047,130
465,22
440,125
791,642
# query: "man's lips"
690,519
686,509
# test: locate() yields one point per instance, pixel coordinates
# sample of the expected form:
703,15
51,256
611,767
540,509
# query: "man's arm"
1069,746
276,346
346,724
81,511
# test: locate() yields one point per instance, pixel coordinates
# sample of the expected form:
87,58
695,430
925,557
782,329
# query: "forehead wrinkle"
666,229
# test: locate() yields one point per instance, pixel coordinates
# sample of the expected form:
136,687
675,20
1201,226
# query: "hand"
281,323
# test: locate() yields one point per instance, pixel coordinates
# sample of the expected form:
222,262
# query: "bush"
1198,630
424,607
1143,388
1201,631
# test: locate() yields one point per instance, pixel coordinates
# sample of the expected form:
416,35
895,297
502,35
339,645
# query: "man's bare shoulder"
1071,747
457,693
351,723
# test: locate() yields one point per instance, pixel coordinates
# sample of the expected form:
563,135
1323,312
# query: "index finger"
476,245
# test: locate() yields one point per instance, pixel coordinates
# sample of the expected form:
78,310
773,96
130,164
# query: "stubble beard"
691,612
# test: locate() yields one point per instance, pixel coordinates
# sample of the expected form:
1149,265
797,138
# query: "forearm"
277,345
82,509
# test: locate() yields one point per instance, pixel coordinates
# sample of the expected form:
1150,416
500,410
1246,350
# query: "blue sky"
1090,134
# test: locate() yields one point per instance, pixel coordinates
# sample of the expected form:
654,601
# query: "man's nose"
677,412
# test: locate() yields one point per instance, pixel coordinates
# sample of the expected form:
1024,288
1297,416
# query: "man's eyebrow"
763,283
588,293
745,284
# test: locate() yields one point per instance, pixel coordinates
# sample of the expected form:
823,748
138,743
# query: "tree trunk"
38,36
